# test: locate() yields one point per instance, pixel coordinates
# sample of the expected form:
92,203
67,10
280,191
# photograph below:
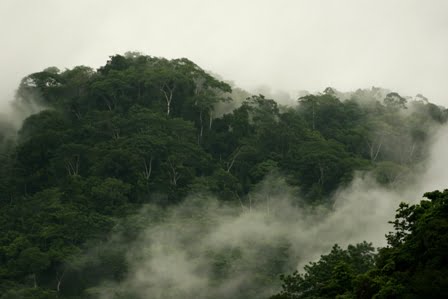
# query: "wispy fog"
180,249
279,48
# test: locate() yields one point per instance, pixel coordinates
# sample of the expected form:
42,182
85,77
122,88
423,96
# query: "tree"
34,261
310,102
331,276
110,194
394,101
413,265
148,130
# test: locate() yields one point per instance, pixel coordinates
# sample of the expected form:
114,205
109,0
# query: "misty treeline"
413,265
98,147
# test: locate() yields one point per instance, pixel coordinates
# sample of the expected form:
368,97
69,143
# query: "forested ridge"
144,130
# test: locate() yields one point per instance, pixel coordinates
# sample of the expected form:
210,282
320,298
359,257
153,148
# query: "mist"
14,112
204,248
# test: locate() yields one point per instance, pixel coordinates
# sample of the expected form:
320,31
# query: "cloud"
204,248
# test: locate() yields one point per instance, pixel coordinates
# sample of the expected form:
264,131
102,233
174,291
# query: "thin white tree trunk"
168,94
148,168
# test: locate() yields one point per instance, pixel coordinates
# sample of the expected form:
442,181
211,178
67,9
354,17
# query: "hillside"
141,131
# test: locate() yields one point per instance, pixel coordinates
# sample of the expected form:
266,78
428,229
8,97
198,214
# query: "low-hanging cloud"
204,248
14,112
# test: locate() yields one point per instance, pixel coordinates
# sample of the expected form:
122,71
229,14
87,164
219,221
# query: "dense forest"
133,151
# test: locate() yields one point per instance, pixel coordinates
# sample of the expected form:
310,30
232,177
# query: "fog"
204,248
280,48
288,45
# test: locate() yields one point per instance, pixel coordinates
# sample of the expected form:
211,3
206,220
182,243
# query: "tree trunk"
174,174
202,125
374,150
116,133
168,94
148,168
59,280
77,114
321,176
411,152
73,166
211,119
232,161
314,114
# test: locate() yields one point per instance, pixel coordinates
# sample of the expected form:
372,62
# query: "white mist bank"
178,256
436,175
14,112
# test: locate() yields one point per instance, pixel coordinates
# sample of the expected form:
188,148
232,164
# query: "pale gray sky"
287,44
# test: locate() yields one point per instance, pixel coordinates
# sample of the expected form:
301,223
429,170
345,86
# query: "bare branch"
235,155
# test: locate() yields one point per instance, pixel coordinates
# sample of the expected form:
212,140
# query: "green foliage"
143,129
414,265
29,293
416,256
331,276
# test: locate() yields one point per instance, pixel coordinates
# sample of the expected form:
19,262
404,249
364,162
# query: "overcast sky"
286,44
